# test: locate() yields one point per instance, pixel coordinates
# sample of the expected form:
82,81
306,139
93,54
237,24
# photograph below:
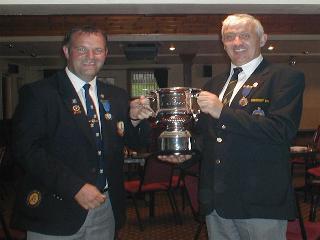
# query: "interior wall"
311,110
311,107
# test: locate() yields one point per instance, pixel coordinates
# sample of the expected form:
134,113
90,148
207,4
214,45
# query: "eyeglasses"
232,36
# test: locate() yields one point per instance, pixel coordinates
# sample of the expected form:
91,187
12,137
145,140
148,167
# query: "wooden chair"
190,178
313,144
156,176
4,226
309,160
302,230
313,180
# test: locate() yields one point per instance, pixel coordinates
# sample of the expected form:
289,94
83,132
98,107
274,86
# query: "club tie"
231,85
95,127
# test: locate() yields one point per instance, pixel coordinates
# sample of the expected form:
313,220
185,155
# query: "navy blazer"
245,168
53,143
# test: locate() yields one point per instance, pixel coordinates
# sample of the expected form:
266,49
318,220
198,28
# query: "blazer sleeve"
30,144
281,121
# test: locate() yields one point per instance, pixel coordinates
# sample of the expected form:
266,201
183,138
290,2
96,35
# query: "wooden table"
308,155
133,165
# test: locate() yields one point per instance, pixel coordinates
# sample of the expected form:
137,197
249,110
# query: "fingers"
89,197
140,108
95,201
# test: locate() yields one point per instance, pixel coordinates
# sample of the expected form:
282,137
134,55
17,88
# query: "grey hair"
242,18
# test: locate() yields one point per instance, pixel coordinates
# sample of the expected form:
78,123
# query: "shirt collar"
249,67
78,83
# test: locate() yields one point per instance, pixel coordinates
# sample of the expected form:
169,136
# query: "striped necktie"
231,85
95,127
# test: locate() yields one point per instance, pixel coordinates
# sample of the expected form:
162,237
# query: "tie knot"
236,71
86,86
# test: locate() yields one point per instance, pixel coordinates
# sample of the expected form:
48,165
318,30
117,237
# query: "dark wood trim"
57,25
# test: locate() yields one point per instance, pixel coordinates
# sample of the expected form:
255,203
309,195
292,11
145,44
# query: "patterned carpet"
162,226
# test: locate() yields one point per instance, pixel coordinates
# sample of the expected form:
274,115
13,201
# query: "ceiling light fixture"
172,47
271,48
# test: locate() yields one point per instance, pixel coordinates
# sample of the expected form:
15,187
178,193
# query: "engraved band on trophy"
176,108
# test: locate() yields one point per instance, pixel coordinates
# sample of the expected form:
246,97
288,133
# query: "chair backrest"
316,138
156,171
296,229
191,183
300,229
2,153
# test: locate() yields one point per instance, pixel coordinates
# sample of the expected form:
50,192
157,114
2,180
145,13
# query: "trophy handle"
195,109
154,103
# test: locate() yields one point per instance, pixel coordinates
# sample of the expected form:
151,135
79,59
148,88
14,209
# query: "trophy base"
175,143
177,153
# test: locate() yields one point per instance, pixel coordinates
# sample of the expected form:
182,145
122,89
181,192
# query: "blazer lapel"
218,83
106,107
255,80
74,106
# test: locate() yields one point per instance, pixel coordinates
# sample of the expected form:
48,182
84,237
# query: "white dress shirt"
247,70
78,86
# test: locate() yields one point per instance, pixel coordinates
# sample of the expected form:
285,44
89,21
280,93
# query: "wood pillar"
187,68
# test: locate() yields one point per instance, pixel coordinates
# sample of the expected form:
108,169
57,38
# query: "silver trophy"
175,108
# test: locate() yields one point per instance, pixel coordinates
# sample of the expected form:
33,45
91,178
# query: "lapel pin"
120,128
243,101
108,116
76,109
34,198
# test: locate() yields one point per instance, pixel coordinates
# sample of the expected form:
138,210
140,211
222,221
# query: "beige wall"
311,110
311,107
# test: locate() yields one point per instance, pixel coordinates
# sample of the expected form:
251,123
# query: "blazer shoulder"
283,68
114,91
215,81
43,88
288,72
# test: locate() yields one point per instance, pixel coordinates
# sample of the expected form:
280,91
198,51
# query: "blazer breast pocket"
258,106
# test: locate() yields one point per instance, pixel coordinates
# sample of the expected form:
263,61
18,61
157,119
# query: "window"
141,82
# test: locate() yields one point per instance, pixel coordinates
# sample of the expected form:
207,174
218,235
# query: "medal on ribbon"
245,92
106,106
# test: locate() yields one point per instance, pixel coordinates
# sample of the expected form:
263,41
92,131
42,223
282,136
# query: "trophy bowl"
177,109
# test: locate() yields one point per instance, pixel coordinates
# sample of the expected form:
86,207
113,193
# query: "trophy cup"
177,109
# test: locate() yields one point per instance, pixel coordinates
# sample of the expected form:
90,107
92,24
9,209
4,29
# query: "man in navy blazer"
56,145
245,185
